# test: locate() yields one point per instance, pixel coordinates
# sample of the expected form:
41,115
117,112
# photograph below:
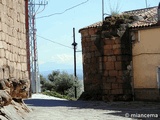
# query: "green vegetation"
60,84
114,9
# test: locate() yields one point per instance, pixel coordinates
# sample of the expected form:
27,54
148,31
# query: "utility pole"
74,44
34,69
146,3
102,10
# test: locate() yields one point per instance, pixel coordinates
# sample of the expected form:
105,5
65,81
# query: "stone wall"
107,55
14,82
92,68
116,77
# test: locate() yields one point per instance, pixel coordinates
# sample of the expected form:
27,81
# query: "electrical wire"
54,42
64,10
41,10
36,10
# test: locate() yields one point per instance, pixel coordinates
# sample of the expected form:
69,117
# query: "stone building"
112,61
14,78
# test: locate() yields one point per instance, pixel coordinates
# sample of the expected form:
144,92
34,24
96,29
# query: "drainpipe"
27,41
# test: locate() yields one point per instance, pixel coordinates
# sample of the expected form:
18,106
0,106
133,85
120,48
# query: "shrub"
61,82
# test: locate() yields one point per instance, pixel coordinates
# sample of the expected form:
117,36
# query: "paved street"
51,108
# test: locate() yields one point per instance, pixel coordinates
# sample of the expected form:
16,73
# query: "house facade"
114,58
146,63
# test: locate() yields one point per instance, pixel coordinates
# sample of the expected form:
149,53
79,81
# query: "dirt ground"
51,108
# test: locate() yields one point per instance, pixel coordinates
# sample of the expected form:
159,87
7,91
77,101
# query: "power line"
64,10
54,42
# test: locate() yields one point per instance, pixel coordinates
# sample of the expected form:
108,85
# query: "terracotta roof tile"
148,15
94,25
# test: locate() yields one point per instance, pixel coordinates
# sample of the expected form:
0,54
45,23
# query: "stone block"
4,44
2,53
117,46
108,41
8,63
84,33
107,47
111,79
117,41
24,66
106,73
18,66
6,72
109,66
115,86
117,51
1,73
25,74
4,61
11,71
3,37
5,98
119,58
120,73
105,59
92,31
113,73
107,86
18,72
108,52
4,2
7,54
118,65
106,91
4,26
116,91
111,58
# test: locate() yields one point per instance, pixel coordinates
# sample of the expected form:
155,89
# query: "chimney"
158,13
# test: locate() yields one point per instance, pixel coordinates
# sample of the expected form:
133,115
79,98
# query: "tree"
62,81
46,85
42,80
54,76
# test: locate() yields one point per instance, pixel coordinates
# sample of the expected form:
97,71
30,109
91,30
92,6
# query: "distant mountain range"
48,67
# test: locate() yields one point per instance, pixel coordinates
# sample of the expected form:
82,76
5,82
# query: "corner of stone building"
116,56
14,79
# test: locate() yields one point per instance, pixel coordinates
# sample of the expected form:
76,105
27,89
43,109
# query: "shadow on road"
116,108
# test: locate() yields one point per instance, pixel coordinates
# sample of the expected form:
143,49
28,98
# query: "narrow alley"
50,108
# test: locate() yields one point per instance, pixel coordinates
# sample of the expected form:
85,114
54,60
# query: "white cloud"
66,59
41,62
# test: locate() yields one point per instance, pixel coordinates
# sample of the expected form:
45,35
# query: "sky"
54,49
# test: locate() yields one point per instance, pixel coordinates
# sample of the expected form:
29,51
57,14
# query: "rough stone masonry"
14,79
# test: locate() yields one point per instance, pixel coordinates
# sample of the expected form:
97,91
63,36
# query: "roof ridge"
140,9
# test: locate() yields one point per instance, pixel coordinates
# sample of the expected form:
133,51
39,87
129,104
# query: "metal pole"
146,4
34,69
75,74
102,10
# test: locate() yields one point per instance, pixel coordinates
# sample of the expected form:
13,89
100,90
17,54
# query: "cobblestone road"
51,108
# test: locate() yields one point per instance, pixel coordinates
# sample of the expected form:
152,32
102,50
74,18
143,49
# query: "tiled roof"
148,18
97,24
